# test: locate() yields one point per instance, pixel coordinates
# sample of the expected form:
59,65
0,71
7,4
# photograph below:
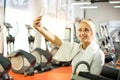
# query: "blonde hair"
92,26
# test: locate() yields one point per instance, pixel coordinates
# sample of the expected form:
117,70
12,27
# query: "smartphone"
42,12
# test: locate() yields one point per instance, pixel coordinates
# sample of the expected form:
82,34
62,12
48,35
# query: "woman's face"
84,33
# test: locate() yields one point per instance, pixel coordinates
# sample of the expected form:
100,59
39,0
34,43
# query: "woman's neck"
85,45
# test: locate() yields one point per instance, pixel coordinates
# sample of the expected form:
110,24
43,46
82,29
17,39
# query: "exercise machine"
44,61
10,39
115,34
30,37
5,66
22,62
106,42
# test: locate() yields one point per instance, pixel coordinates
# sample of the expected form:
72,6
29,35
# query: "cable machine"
106,42
116,42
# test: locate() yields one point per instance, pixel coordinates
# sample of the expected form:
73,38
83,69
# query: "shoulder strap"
79,63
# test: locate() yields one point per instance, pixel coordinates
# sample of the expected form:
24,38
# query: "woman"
87,50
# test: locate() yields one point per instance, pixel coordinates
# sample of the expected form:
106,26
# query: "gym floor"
61,73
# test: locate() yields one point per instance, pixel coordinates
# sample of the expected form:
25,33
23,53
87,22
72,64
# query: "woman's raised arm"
49,36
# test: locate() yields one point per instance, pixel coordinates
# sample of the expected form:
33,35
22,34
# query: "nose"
82,32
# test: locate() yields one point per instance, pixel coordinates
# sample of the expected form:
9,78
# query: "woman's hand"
37,23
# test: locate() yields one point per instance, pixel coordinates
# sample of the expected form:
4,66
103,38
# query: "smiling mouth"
82,37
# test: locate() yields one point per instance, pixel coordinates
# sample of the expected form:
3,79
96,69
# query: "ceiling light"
116,6
114,2
88,7
81,3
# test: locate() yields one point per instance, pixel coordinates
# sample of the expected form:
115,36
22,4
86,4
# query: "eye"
80,30
86,30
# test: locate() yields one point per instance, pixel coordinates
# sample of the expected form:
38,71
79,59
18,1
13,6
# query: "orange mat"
62,73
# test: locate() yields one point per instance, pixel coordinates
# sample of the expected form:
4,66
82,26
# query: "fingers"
38,18
37,22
